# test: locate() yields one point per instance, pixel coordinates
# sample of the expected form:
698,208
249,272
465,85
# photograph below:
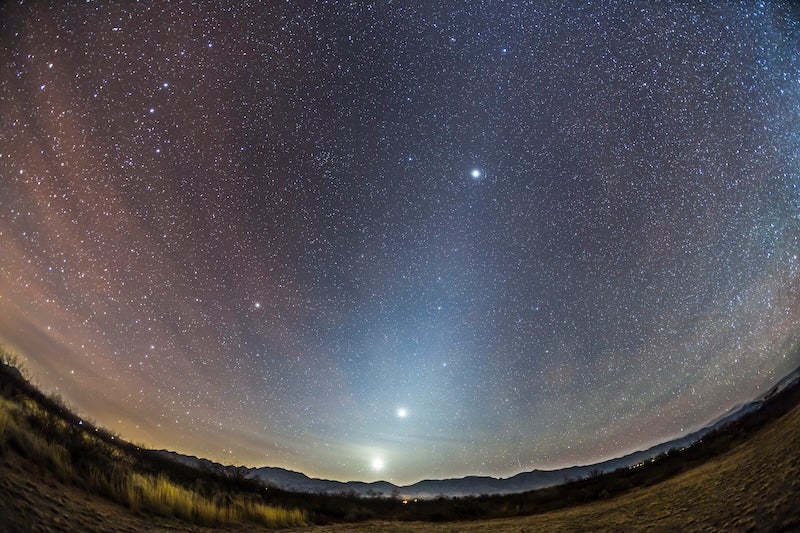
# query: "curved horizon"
395,241
658,447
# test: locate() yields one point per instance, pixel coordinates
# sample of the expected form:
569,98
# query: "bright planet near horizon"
401,240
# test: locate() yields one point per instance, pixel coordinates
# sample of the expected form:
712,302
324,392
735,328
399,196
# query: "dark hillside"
62,473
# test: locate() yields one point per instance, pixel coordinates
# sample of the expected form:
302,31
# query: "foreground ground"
752,486
756,486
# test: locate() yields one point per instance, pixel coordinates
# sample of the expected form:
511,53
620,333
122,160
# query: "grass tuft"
43,431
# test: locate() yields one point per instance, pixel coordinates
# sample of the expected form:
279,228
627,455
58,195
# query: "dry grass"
5,420
157,494
9,358
755,486
78,455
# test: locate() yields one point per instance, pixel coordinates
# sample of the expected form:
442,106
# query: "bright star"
257,305
475,173
377,464
402,412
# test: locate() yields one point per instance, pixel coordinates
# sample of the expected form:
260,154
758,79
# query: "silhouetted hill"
477,485
61,473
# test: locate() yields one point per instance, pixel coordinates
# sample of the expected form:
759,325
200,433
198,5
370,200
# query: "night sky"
401,240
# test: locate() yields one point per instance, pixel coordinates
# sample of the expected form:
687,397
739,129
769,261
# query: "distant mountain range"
477,485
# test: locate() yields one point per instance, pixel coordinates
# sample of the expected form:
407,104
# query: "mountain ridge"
474,485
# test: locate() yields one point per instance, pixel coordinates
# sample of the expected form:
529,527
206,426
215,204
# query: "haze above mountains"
477,485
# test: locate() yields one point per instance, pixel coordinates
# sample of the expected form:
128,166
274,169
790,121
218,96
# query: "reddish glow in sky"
390,241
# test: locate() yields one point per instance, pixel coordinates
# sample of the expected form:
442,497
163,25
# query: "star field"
392,240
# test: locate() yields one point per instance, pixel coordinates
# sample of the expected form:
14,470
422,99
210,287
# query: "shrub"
42,430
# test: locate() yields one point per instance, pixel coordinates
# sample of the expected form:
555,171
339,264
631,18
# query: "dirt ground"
34,501
755,486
